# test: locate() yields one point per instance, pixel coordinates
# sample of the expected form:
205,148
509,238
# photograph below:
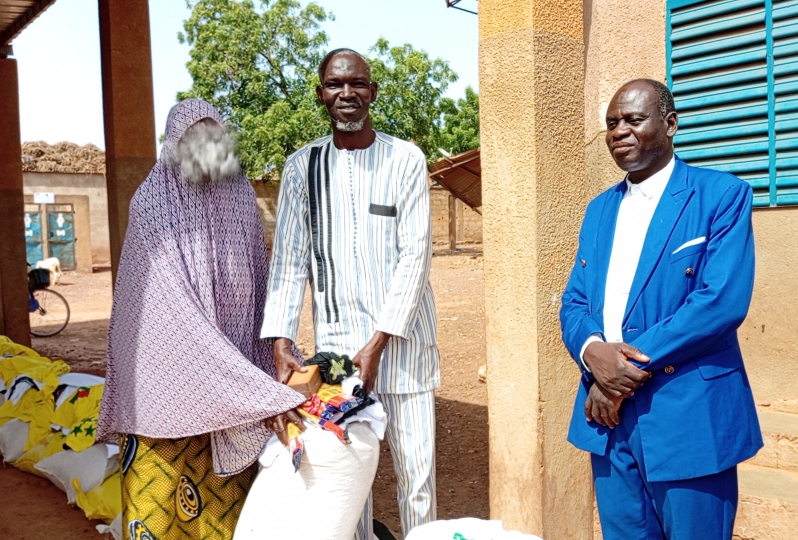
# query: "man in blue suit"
663,278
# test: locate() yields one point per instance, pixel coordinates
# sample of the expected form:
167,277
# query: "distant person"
663,278
190,386
353,217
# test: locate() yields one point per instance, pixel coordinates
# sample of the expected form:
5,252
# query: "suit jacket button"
584,263
669,370
688,272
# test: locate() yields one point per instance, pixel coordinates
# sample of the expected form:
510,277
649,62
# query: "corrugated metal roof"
460,175
15,15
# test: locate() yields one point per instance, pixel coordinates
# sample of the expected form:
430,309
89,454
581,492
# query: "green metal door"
33,233
61,234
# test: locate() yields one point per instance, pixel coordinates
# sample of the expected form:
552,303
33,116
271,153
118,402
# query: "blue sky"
59,56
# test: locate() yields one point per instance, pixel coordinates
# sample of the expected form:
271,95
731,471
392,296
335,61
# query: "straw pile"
63,157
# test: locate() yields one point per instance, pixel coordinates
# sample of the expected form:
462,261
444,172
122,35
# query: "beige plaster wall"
768,335
90,185
623,41
533,198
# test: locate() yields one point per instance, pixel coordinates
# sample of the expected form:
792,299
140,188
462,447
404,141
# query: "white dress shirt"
634,216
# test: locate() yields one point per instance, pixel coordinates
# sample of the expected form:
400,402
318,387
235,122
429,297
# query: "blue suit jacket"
698,416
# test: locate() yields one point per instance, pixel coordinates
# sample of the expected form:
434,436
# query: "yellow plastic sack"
9,411
51,445
36,406
84,403
9,348
103,502
35,367
83,434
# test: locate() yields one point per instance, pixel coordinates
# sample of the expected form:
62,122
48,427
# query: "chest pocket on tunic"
382,210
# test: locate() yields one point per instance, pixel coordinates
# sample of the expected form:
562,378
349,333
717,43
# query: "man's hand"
609,363
368,359
285,361
602,407
279,424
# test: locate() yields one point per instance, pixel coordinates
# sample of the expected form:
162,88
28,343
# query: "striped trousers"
411,437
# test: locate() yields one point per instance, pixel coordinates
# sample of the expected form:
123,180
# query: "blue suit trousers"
632,508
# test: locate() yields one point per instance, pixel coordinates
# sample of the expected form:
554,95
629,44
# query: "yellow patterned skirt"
169,490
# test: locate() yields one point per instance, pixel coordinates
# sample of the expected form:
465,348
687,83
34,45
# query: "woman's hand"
279,424
284,360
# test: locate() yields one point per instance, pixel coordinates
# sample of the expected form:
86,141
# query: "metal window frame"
672,5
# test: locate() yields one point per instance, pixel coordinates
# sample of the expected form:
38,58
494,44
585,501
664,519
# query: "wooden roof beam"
11,31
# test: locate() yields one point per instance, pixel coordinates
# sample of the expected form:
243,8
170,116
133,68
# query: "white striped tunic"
358,226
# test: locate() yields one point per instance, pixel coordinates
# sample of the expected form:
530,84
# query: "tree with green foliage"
460,123
257,65
411,89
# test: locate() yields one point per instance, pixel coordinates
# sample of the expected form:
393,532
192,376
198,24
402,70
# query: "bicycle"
49,311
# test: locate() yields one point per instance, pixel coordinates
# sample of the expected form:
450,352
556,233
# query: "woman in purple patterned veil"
190,387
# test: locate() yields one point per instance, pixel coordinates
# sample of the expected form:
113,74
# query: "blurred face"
639,139
205,153
347,91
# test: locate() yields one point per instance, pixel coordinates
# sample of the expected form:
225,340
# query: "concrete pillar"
533,193
128,108
14,318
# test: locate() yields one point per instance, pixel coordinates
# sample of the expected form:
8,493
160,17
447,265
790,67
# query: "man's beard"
350,127
205,154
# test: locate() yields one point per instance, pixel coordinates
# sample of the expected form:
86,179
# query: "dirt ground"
38,510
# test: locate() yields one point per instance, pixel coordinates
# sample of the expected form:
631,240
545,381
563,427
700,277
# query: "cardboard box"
306,383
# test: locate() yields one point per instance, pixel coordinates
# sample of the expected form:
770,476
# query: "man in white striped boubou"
354,218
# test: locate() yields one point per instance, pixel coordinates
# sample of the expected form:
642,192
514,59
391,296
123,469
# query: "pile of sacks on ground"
48,420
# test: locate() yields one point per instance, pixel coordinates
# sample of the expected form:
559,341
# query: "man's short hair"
666,104
335,52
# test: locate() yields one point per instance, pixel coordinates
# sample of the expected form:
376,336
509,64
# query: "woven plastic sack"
51,445
104,502
13,437
91,467
333,483
114,529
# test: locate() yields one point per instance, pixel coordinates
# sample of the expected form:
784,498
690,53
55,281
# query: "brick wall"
469,223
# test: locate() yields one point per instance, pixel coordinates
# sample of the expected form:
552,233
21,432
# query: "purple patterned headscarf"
184,353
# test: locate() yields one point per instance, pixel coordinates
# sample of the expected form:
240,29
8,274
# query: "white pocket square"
693,242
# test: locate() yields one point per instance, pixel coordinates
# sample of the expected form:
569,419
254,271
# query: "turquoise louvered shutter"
733,68
785,71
